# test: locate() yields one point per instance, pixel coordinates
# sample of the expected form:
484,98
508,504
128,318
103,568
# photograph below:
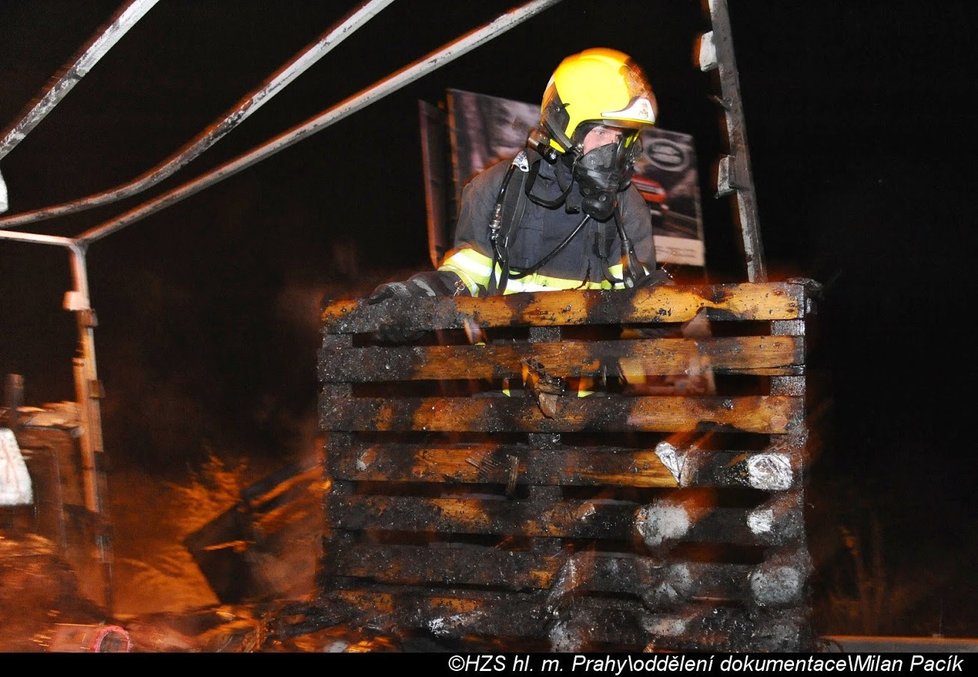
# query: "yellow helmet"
599,86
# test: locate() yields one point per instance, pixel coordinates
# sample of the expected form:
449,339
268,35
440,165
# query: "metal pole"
364,98
98,47
88,391
216,131
118,26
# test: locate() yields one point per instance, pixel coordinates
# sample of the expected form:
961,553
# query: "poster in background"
484,129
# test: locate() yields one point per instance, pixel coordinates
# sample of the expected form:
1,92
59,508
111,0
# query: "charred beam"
752,355
693,516
660,524
591,624
567,466
491,464
563,575
595,624
449,565
668,304
611,413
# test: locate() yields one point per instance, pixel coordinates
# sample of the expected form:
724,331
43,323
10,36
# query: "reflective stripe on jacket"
591,260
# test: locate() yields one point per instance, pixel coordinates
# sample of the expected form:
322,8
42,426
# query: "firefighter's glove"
391,333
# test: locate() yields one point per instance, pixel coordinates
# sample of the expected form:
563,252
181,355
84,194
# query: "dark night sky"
860,122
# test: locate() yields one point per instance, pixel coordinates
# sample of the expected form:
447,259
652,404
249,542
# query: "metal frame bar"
97,47
217,130
78,301
362,99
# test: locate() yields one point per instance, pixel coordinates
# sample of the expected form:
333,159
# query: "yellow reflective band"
537,282
474,269
471,266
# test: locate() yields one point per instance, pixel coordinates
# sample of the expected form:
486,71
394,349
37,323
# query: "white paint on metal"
37,238
769,472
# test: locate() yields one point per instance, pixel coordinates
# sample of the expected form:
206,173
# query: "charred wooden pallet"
572,470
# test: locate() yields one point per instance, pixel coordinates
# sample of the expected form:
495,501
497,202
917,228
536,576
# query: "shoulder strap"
509,211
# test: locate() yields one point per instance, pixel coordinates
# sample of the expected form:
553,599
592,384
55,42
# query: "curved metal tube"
248,105
341,110
118,26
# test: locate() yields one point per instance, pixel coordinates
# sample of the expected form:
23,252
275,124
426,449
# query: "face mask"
601,174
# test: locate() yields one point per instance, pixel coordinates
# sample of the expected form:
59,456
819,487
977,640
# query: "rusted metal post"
88,391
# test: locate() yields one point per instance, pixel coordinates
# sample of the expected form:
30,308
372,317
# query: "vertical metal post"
88,391
734,173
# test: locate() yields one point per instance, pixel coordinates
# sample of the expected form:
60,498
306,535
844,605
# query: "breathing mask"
604,172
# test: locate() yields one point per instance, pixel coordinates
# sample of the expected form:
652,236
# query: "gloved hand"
390,290
419,285
390,333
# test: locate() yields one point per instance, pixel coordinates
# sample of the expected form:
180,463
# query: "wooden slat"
586,623
758,355
591,519
492,464
449,565
700,629
563,574
484,463
754,301
756,414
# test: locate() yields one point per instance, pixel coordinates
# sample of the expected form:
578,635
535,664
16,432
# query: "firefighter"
561,214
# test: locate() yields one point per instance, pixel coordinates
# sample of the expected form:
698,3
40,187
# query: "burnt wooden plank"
701,628
454,564
447,614
758,355
609,413
693,516
659,525
483,463
586,624
333,539
334,443
657,583
491,464
668,304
